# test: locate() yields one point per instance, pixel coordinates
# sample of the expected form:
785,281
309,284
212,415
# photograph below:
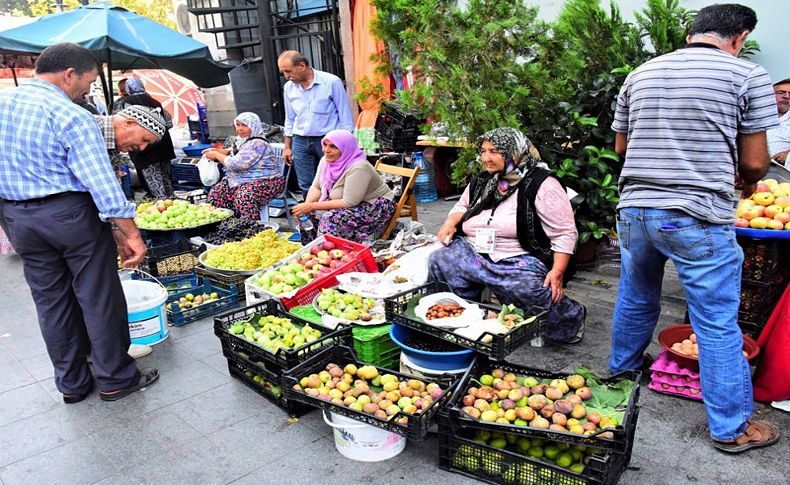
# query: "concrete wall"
773,18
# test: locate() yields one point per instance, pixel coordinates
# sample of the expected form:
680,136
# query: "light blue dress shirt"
49,145
319,109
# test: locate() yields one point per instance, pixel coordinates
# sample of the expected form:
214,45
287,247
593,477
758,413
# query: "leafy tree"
161,12
665,23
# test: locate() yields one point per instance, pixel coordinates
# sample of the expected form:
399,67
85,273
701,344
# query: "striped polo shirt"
682,112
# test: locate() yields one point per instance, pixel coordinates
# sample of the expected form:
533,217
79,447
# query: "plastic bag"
209,172
413,266
472,312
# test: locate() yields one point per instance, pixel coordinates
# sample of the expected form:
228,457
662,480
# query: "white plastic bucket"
407,366
363,442
145,303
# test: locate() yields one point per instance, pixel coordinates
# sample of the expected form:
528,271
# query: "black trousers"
69,260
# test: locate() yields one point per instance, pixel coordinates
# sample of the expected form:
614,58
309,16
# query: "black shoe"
75,398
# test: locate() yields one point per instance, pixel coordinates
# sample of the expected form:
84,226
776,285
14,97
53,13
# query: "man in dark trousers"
689,123
68,219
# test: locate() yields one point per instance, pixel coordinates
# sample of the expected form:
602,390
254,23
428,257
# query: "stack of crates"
397,128
766,274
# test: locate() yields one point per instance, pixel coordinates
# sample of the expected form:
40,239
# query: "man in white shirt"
779,138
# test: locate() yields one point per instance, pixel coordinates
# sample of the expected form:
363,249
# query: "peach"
741,222
763,198
774,224
758,223
772,210
762,186
783,217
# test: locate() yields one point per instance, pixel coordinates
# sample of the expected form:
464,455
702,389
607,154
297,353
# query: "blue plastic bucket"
442,361
145,303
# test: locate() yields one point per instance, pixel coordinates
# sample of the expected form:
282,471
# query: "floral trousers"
246,199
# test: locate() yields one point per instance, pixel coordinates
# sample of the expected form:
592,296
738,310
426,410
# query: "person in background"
118,104
253,174
513,231
68,220
315,103
152,163
677,201
357,203
779,138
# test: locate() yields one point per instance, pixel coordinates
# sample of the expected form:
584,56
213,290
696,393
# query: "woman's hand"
554,278
446,232
302,209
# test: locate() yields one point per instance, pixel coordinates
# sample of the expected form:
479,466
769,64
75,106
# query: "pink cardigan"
553,208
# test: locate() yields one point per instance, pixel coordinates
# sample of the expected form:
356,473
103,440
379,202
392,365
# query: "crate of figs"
487,329
510,458
580,408
336,381
263,377
266,331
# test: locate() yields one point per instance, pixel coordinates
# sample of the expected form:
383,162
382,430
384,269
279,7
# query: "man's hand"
288,156
554,278
131,247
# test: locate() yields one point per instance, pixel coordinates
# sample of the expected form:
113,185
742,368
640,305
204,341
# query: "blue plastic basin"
196,150
457,359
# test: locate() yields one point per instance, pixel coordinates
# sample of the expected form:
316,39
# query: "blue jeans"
306,152
708,261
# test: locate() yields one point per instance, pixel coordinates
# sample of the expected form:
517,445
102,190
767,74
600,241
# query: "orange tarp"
365,45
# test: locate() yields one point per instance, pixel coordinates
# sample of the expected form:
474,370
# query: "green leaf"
611,396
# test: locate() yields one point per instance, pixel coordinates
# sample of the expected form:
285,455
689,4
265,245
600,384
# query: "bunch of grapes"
233,230
260,251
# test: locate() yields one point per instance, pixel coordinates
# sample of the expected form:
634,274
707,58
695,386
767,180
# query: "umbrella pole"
109,79
104,85
13,73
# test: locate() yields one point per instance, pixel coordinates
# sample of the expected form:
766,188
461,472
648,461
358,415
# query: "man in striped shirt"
690,123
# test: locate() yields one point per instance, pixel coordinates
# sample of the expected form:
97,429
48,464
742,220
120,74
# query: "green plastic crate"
374,346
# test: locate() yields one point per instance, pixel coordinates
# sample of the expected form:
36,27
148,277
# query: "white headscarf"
251,121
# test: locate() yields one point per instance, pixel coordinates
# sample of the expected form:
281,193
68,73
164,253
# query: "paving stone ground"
200,426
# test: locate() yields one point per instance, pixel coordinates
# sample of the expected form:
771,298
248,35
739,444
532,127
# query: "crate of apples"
767,208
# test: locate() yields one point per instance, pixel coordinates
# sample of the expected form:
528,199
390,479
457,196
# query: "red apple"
322,254
329,245
315,250
346,259
334,264
337,253
324,260
312,262
325,270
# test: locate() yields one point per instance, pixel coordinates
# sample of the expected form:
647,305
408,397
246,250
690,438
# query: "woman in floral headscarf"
512,231
357,202
253,174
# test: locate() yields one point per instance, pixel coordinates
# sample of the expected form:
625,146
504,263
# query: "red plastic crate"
363,261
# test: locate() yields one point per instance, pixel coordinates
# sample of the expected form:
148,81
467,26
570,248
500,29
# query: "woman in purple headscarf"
357,203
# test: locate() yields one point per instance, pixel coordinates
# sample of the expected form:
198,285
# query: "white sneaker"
783,405
136,351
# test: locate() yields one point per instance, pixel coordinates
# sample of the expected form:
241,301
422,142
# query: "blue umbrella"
122,39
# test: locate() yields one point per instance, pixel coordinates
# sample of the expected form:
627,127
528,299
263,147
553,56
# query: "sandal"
758,433
146,378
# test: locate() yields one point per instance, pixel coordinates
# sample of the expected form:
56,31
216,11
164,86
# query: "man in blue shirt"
68,219
315,104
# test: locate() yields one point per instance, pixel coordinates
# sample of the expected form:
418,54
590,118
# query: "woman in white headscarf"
253,174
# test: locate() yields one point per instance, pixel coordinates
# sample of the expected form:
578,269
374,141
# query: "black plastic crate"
238,368
621,436
759,298
400,309
223,280
765,260
416,425
181,316
173,258
460,453
284,357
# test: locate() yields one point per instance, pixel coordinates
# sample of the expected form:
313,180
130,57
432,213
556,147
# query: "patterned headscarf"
350,154
251,121
149,118
134,86
521,158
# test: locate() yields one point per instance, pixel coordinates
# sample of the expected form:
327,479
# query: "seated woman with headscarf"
357,202
153,163
253,173
512,231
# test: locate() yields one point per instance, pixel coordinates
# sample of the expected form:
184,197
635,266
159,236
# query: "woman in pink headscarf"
357,203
